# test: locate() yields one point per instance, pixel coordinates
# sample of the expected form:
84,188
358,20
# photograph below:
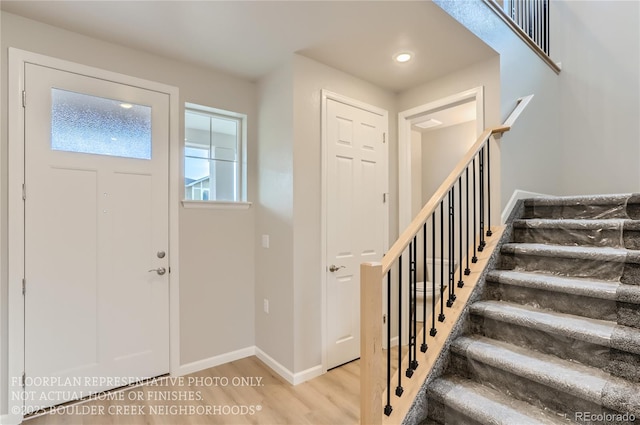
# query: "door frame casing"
16,171
327,95
404,143
405,153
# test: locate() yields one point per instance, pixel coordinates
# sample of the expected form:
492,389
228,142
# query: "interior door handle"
159,270
333,268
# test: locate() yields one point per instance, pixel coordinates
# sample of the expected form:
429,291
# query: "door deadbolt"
161,254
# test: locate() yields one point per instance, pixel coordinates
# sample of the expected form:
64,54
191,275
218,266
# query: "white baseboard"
305,375
517,195
10,419
273,364
216,360
394,341
290,377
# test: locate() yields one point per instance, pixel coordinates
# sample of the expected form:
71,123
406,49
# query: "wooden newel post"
371,356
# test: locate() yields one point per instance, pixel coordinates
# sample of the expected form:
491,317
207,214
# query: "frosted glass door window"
96,125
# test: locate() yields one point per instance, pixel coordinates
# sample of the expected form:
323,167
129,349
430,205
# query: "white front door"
356,217
96,223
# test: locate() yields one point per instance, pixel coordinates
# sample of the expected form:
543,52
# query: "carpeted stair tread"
584,207
619,255
572,224
577,286
612,232
601,332
555,331
588,383
488,406
614,199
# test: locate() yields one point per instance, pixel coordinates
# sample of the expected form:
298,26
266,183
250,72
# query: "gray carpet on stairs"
552,332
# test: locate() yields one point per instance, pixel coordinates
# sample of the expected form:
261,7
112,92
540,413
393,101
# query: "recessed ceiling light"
403,57
126,105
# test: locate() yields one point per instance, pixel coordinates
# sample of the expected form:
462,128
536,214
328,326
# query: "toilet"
424,290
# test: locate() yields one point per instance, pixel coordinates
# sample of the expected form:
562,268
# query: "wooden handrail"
407,236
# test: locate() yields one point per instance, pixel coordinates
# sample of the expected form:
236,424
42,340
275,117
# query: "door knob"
159,270
334,268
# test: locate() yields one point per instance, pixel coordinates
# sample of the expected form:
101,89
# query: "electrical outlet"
265,241
265,305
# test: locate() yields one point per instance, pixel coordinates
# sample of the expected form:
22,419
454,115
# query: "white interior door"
356,183
96,222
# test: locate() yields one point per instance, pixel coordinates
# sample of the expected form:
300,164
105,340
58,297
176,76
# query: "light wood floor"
262,397
245,391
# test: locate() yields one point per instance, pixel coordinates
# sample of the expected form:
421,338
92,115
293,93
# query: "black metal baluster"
409,371
433,331
538,23
399,389
423,347
467,271
460,282
481,187
441,317
489,233
413,365
387,408
452,247
546,27
475,218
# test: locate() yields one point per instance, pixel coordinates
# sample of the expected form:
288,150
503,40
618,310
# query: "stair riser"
616,362
570,237
594,308
628,314
625,272
539,395
439,413
625,365
631,237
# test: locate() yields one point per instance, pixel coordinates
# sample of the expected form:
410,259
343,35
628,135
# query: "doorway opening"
432,138
460,118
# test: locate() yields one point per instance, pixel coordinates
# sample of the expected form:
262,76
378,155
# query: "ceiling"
250,38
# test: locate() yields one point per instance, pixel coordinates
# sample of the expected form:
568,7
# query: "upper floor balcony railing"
530,19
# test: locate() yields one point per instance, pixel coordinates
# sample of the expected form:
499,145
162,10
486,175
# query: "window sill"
216,205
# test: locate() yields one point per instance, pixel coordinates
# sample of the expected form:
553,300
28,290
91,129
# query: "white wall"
274,266
598,43
217,261
441,151
533,141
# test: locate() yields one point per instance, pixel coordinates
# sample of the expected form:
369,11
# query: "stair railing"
530,20
533,17
451,231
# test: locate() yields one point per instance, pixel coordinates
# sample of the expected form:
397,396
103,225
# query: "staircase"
555,338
